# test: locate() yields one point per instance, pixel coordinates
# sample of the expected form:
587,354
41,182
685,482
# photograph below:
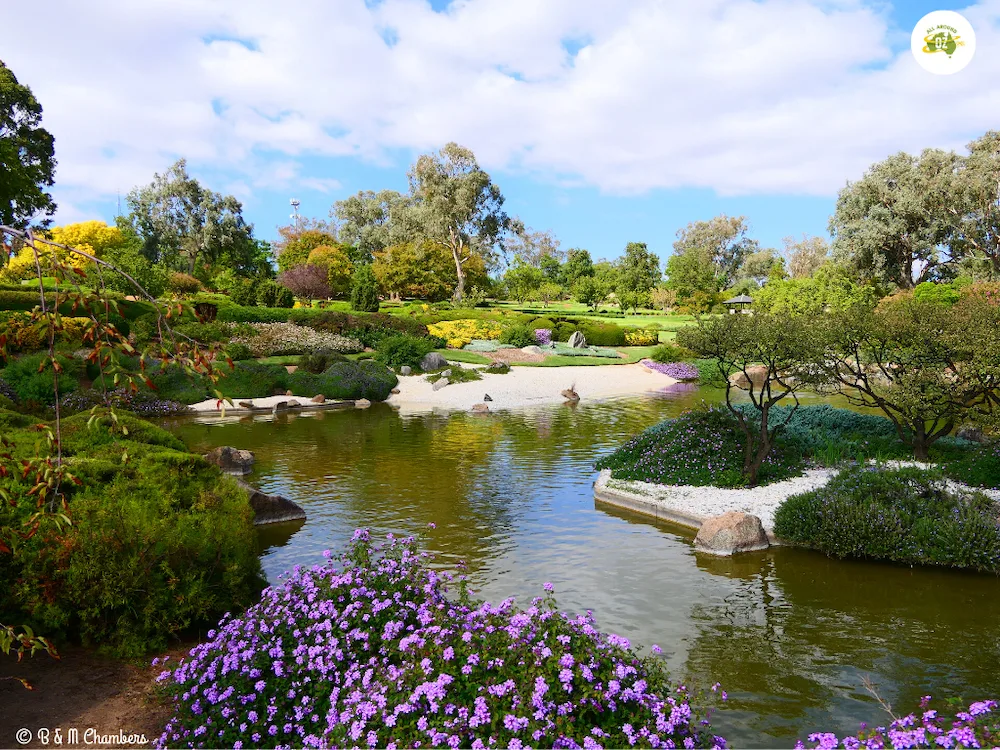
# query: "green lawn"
632,354
458,355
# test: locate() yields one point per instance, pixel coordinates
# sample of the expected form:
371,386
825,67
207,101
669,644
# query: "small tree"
776,358
588,291
307,282
364,290
548,292
926,366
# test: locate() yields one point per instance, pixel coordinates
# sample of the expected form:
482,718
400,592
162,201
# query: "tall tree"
892,226
805,256
182,222
27,155
976,208
423,269
638,273
371,222
578,264
759,266
691,276
530,246
460,206
725,240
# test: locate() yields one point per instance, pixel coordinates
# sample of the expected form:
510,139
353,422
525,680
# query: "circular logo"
943,42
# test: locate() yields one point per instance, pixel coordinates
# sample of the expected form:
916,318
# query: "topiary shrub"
364,290
319,361
396,351
346,380
237,351
603,334
183,284
904,515
437,670
518,335
563,331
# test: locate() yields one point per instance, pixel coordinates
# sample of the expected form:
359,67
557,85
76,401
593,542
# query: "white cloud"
741,97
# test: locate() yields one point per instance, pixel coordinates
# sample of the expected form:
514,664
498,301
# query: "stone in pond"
362,403
730,533
405,370
272,508
231,460
577,340
433,361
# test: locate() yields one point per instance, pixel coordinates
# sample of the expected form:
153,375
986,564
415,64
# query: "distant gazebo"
741,303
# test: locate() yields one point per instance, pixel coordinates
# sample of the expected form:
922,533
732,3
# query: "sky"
603,121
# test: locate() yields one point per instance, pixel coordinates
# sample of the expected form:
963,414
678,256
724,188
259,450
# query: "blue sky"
601,121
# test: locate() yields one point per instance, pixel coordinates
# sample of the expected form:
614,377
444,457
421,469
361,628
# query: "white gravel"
529,386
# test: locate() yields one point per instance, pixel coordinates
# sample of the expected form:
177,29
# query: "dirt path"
82,691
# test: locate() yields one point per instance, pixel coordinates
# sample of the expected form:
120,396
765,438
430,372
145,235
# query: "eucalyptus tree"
370,222
723,239
976,205
805,256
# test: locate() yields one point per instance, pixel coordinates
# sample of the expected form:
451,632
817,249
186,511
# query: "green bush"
603,334
458,374
518,335
708,373
906,516
160,544
319,361
346,380
253,380
563,331
272,294
29,384
237,351
206,333
244,292
542,323
172,383
979,465
666,353
396,351
364,290
368,328
700,448
182,283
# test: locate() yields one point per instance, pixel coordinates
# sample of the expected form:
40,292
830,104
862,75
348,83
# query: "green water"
789,633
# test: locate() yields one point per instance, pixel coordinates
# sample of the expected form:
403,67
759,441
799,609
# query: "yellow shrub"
458,333
639,337
23,336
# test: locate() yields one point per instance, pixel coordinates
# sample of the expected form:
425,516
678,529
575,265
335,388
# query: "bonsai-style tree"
928,367
770,358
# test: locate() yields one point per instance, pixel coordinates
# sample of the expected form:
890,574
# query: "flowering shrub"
906,515
370,651
287,338
675,370
640,337
142,403
543,336
697,448
977,727
23,336
458,333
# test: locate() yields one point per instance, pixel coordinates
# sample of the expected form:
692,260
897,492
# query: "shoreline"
529,386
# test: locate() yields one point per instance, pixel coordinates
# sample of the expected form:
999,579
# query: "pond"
789,633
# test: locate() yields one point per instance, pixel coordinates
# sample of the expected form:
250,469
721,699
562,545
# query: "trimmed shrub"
253,380
396,351
542,323
907,515
364,290
172,383
320,361
640,337
563,331
603,334
272,294
346,380
183,283
237,351
437,670
160,544
518,335
697,448
29,384
671,353
273,339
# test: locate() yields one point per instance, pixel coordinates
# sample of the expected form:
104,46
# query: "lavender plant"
370,650
675,370
543,336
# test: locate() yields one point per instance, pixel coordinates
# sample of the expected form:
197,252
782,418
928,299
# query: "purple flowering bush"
675,370
979,726
702,447
141,403
369,650
543,336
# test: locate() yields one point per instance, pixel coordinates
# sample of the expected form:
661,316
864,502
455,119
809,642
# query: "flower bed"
458,333
371,651
675,370
641,337
273,339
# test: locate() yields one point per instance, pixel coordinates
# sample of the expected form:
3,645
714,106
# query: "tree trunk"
460,287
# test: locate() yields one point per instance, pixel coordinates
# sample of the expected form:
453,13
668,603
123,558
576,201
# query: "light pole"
295,211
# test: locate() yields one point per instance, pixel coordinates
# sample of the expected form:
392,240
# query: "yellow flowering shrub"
640,337
458,333
23,336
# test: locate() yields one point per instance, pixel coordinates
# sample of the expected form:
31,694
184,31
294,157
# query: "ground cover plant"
978,466
676,370
456,374
371,649
700,447
269,339
976,726
905,515
160,542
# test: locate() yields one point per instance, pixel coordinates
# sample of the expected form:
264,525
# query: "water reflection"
789,633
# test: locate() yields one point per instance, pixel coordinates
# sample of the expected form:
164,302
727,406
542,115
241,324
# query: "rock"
245,404
272,508
280,406
757,373
971,432
433,361
405,370
291,368
533,349
319,398
231,460
289,393
480,408
487,397
577,340
446,373
439,384
293,404
730,533
362,403
571,395
394,390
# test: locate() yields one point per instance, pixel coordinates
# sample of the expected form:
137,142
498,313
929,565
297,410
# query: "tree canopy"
724,240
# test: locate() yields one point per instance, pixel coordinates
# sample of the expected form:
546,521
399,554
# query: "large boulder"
433,361
757,373
231,460
577,340
533,349
439,384
730,533
272,508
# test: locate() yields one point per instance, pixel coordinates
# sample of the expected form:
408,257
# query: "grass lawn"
666,322
632,354
469,358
